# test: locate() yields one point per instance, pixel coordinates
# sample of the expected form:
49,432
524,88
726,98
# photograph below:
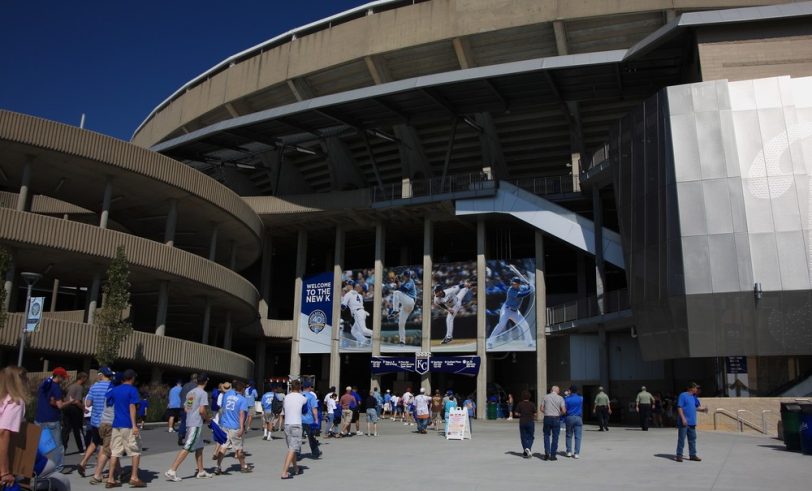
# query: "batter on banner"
354,303
519,289
451,300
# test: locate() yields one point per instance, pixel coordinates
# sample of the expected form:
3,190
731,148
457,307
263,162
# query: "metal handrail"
433,186
741,422
584,308
546,185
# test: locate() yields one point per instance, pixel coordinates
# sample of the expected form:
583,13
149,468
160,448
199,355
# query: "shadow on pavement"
666,456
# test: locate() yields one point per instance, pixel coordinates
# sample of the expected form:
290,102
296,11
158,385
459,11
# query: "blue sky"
116,60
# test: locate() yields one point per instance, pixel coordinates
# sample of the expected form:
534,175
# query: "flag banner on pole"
34,313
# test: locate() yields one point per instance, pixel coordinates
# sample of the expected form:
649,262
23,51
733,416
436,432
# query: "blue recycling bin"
806,429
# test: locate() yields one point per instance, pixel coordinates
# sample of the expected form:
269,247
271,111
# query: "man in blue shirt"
49,411
687,406
514,296
267,413
173,405
574,421
126,438
232,420
251,399
95,401
310,418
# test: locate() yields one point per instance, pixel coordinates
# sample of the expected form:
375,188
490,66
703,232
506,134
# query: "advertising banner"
34,313
460,365
510,305
457,426
453,309
402,315
316,319
357,298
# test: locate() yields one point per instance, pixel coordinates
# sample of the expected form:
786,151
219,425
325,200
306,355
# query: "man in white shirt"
294,402
450,300
422,403
396,409
408,400
353,300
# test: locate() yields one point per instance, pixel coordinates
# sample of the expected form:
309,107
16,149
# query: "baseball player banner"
510,305
316,319
402,316
453,309
357,298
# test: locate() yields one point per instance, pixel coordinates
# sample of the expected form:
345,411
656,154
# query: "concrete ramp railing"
546,216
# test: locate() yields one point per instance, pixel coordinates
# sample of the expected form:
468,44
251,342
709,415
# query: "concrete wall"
752,412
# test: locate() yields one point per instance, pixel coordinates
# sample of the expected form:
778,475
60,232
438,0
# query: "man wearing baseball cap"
95,401
49,411
687,406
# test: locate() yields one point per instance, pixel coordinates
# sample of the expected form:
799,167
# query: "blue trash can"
806,429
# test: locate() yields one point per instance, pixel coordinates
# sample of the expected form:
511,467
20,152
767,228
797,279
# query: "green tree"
4,260
113,328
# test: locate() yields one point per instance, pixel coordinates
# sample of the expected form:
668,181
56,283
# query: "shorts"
194,439
95,436
124,442
268,417
173,412
235,441
293,437
346,417
372,415
355,415
106,435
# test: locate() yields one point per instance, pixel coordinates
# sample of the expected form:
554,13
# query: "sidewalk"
623,458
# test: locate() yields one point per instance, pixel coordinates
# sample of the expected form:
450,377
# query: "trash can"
791,422
805,433
491,410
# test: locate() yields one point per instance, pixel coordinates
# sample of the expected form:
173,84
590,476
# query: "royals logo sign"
421,363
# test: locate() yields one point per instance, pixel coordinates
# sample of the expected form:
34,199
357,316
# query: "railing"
584,308
740,421
544,186
432,187
598,156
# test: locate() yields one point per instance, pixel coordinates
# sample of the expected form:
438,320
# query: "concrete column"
600,272
603,356
206,321
213,242
8,282
163,305
228,334
338,265
377,303
25,186
481,345
428,249
106,200
171,223
54,294
541,320
259,364
232,262
301,262
93,298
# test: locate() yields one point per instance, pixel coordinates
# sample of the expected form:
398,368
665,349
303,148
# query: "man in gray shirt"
196,405
553,407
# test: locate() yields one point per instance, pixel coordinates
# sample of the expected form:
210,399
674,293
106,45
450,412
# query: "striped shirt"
96,396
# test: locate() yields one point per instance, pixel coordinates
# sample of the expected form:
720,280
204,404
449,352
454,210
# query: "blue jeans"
55,428
527,434
552,427
422,423
690,432
575,427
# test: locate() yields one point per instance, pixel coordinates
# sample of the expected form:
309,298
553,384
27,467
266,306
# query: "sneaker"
575,456
204,475
695,458
171,475
678,458
527,453
246,470
170,430
405,424
447,340
569,454
218,471
359,432
376,434
553,457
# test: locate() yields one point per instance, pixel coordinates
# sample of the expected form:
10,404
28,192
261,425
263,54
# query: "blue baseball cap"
106,371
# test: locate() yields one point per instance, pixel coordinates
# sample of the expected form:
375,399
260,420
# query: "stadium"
640,168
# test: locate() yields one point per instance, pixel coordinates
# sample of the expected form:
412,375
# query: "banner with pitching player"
316,319
510,305
453,308
402,316
357,298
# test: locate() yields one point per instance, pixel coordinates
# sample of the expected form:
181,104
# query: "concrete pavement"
623,458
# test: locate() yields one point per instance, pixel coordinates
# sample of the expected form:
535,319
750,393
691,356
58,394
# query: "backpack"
277,405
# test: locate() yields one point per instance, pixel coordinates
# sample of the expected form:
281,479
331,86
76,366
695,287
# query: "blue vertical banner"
316,319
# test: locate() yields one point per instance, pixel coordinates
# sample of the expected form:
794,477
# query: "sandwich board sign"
458,426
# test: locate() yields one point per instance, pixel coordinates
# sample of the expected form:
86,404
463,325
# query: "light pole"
30,280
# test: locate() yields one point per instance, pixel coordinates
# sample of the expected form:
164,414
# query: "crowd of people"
112,411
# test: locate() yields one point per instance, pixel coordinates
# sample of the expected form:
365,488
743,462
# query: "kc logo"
421,363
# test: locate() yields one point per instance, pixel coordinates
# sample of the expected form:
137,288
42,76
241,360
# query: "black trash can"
791,422
805,433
